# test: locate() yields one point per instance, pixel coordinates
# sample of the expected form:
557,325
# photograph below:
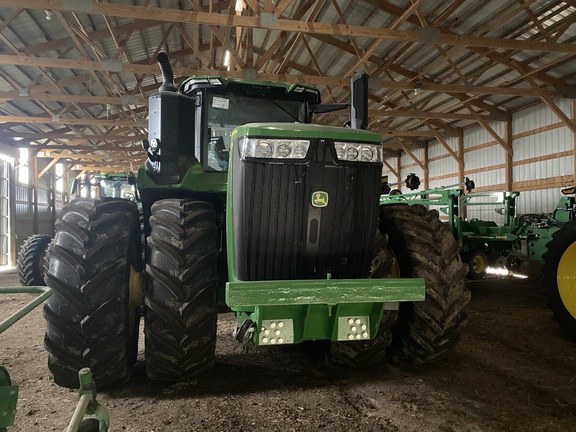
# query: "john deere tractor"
248,204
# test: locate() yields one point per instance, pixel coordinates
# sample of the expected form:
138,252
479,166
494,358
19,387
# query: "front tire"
30,260
560,276
424,247
181,290
90,318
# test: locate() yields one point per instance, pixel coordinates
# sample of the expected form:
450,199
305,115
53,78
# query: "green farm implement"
514,244
89,415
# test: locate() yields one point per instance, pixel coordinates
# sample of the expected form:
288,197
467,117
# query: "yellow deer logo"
320,199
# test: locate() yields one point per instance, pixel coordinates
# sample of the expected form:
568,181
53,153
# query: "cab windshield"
226,111
116,189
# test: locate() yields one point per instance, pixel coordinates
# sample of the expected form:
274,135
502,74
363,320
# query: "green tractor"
247,204
560,265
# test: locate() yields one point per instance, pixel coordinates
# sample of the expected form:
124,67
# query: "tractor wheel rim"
135,294
478,264
566,279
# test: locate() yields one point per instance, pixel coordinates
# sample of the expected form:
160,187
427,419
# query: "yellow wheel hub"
566,279
478,264
136,293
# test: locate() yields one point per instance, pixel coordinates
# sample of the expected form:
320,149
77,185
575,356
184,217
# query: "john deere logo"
320,199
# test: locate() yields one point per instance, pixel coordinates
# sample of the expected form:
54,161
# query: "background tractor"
31,256
247,203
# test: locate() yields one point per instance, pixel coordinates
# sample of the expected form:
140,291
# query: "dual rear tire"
91,317
96,274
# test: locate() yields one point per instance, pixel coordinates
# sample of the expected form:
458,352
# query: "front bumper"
286,312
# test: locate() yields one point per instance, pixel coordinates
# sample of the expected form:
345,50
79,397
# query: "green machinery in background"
559,280
31,256
248,204
106,185
515,243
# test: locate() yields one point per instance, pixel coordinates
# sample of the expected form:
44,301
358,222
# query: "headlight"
358,152
273,148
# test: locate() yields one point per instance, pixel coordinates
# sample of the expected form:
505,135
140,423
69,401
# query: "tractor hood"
305,130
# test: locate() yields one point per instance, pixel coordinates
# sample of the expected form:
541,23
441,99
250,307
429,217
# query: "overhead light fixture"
227,60
48,14
417,89
239,6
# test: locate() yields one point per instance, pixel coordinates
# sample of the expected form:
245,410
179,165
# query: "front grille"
278,234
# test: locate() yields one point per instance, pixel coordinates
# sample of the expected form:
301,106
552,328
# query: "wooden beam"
444,144
406,133
70,136
509,179
430,36
6,96
47,168
343,81
550,103
69,122
416,114
396,173
491,131
414,158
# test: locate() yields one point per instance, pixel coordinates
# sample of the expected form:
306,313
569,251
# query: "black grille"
278,234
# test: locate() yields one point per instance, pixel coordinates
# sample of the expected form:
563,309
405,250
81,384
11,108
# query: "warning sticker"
222,103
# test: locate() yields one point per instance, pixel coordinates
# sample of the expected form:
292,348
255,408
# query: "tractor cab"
222,105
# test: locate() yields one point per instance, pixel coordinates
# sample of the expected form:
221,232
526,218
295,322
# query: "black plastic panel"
279,234
171,124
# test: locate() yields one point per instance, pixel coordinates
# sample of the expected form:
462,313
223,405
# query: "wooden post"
35,221
509,180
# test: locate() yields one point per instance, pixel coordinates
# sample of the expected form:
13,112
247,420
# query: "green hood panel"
305,130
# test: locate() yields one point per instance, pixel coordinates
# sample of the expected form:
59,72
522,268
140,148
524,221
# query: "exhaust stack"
167,73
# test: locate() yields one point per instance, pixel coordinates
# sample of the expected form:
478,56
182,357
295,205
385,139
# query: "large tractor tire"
181,286
477,265
358,354
95,273
30,260
560,276
424,247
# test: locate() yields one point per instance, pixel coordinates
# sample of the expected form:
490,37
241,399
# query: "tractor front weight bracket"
288,312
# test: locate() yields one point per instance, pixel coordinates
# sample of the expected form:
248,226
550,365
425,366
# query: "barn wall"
543,158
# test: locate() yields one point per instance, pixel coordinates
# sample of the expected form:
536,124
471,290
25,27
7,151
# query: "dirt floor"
514,370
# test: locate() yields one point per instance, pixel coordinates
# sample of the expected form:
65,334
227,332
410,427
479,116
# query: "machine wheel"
424,247
560,276
365,353
477,265
91,318
30,260
182,269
